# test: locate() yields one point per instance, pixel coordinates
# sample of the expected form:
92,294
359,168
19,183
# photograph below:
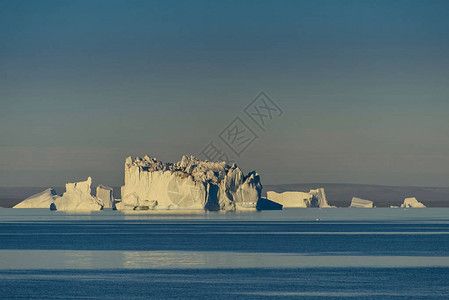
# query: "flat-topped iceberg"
358,202
314,198
188,184
290,199
412,203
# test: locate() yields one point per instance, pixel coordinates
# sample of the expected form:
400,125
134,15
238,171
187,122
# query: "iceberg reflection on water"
93,260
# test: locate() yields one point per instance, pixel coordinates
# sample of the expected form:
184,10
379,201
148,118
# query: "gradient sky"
364,86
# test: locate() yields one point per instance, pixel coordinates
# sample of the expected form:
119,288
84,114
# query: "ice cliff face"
105,196
188,184
362,203
290,199
412,203
314,198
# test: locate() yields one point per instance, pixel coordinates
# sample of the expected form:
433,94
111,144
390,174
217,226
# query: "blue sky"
364,86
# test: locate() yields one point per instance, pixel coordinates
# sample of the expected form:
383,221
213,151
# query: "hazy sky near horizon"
364,87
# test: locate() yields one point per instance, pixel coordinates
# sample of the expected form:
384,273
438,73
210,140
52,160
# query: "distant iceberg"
358,202
188,185
314,198
412,203
40,200
77,197
105,196
319,198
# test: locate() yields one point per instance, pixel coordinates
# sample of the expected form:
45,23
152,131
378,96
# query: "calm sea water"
295,253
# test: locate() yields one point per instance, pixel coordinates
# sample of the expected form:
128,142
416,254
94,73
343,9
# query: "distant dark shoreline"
337,194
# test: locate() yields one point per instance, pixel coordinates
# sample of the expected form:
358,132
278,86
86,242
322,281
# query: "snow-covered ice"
314,198
358,202
188,184
77,197
40,200
412,203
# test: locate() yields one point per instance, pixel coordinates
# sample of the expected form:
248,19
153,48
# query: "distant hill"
383,196
337,194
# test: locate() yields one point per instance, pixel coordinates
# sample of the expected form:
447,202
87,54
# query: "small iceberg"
412,203
314,198
362,203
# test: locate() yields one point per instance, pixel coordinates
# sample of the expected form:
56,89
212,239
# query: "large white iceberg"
412,203
40,200
188,184
358,202
314,198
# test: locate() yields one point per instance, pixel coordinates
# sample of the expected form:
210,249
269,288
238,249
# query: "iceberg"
314,198
319,198
43,199
189,184
290,199
358,202
105,196
78,197
412,203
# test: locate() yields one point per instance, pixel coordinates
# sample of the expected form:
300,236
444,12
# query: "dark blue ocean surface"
303,253
292,237
316,283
